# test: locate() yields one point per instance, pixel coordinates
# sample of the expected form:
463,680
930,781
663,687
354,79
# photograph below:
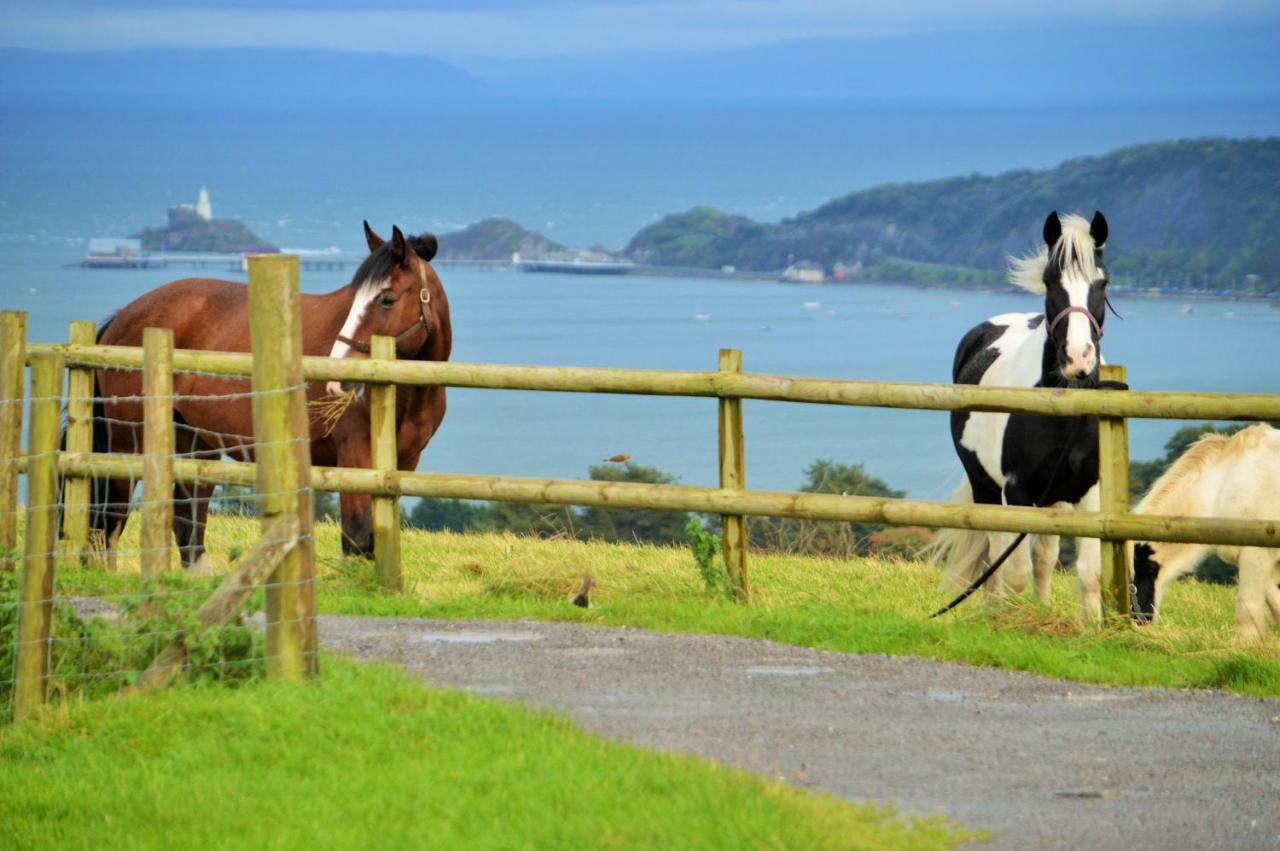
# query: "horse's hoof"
202,567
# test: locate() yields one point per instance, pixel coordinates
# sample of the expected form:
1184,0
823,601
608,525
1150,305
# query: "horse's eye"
387,301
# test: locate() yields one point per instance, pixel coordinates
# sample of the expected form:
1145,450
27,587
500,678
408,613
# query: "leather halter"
1067,311
424,298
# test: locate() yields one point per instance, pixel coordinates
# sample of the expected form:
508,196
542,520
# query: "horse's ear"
397,243
425,245
375,241
1052,229
1098,229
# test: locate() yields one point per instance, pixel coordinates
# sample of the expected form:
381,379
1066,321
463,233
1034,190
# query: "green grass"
856,606
363,757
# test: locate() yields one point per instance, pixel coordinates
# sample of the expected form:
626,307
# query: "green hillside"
495,239
1198,214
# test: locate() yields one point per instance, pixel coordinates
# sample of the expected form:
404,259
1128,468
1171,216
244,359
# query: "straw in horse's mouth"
327,410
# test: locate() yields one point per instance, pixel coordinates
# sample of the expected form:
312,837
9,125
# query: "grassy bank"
859,606
363,757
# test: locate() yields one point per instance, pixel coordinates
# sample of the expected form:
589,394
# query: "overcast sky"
513,28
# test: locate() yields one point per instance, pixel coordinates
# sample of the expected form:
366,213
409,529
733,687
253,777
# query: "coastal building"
804,272
186,214
112,252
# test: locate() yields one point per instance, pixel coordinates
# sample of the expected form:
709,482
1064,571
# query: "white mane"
1074,249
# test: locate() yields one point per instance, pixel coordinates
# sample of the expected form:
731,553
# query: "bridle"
1075,308
424,299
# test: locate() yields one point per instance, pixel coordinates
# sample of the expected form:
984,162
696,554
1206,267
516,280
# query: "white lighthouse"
203,208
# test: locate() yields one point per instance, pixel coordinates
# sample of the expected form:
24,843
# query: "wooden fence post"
13,387
733,474
75,489
157,451
35,606
382,433
282,450
1113,484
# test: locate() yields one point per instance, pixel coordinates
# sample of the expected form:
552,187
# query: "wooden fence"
1114,524
283,561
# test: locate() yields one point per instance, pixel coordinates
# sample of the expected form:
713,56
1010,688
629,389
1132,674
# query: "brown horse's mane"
382,261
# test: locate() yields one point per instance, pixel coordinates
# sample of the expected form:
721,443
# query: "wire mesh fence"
112,613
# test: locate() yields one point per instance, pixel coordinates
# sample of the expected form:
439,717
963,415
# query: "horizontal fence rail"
746,385
861,509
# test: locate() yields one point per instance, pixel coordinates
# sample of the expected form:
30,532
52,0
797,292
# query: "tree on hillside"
631,525
825,537
454,515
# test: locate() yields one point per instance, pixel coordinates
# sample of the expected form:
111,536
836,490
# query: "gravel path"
1042,763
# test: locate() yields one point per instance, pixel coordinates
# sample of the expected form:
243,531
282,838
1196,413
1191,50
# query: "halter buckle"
424,296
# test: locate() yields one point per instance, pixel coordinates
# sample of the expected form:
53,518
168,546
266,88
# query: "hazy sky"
460,28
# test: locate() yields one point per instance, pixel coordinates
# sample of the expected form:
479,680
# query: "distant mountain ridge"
1195,214
237,75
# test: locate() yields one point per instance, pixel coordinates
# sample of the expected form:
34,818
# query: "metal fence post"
13,386
283,453
157,451
1113,485
75,489
733,474
382,433
35,606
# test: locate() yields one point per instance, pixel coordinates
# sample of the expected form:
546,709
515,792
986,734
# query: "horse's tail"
962,552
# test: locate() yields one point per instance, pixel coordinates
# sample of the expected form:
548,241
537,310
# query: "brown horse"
395,292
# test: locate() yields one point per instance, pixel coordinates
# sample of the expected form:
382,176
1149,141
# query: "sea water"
583,176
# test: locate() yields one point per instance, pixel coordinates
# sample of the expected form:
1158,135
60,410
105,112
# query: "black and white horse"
1019,459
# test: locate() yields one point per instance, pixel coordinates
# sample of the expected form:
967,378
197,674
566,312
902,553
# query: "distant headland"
192,229
1193,217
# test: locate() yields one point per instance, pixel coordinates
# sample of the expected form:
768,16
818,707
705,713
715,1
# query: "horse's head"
1145,571
396,293
1069,272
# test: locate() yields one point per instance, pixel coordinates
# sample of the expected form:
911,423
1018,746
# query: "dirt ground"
1041,763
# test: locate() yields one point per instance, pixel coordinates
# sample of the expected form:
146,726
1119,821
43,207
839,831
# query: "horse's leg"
1251,597
1016,571
357,509
1014,574
1273,585
190,516
112,500
1089,562
1044,559
191,502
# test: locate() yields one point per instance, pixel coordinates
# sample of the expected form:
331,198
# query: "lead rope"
1022,536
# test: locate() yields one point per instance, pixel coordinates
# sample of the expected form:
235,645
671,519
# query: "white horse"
1023,459
1218,476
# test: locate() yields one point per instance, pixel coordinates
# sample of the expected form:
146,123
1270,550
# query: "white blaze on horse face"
1082,354
365,295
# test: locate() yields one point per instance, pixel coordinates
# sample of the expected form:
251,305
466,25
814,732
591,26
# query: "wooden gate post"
157,451
35,605
733,474
282,449
382,433
13,387
75,489
1113,484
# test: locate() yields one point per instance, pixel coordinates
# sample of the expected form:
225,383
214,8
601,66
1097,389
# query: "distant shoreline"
635,270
